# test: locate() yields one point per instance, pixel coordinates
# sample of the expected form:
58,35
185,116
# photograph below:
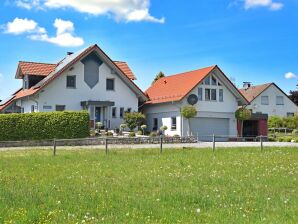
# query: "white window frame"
262,100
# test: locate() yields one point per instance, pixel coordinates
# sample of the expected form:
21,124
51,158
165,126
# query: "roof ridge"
183,73
33,62
265,84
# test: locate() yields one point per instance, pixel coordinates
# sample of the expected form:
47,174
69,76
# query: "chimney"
247,85
69,53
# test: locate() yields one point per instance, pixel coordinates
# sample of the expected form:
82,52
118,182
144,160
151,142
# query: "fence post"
213,141
54,145
106,145
160,143
261,140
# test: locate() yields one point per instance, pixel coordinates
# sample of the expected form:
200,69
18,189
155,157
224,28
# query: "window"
110,84
290,114
173,123
155,124
200,94
71,81
207,80
129,110
121,112
60,107
221,95
213,94
207,94
45,107
279,100
213,81
114,111
265,100
32,108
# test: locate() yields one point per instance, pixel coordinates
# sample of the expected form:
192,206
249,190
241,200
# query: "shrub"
283,122
109,133
140,133
163,128
131,134
176,136
153,134
44,125
295,132
134,119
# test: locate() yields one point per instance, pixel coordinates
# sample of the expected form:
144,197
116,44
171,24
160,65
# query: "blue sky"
251,40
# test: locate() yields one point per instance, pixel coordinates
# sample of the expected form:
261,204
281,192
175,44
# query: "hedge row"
49,125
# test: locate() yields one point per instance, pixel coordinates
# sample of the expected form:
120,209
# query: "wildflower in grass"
127,214
58,202
198,210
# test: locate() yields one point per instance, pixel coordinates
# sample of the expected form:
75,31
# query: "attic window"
207,81
213,81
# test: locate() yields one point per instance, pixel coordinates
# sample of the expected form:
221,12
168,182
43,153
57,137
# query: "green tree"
188,112
275,122
242,114
158,76
134,120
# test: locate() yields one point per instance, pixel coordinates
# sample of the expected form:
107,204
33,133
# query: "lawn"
142,186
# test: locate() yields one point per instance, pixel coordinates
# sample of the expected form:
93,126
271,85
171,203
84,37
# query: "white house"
268,99
88,80
209,90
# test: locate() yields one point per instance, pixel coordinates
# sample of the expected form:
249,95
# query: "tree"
134,119
242,114
158,76
294,96
188,112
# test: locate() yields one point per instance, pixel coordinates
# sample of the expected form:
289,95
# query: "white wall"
272,109
56,93
216,109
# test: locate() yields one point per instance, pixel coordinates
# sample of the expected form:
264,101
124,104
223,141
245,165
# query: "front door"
97,114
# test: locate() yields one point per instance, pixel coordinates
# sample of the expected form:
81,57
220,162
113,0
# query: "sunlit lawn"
142,186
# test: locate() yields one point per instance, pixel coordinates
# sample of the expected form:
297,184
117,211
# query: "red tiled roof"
254,91
175,87
36,68
125,69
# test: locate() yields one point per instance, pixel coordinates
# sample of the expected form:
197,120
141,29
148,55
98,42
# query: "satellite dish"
192,99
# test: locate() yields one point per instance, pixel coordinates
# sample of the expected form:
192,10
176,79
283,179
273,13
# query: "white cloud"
64,32
291,75
28,4
263,3
19,26
64,35
127,10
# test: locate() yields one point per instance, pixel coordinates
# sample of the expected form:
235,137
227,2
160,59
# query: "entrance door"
97,114
250,128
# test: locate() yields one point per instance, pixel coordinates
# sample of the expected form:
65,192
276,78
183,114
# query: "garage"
206,127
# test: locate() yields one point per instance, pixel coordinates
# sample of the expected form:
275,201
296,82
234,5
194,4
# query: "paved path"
191,145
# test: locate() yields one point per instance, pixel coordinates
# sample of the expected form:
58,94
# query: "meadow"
142,186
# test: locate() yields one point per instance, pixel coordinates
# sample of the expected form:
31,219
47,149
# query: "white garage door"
204,127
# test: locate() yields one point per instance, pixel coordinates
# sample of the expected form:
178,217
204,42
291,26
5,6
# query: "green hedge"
44,125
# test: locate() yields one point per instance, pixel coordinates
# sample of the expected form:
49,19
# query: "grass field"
142,186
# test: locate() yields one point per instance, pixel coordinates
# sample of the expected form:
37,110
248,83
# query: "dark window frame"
155,124
121,112
173,123
114,112
69,83
200,93
212,95
220,95
207,90
108,87
57,107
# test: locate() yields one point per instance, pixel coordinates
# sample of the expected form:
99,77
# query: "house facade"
214,96
268,99
86,80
